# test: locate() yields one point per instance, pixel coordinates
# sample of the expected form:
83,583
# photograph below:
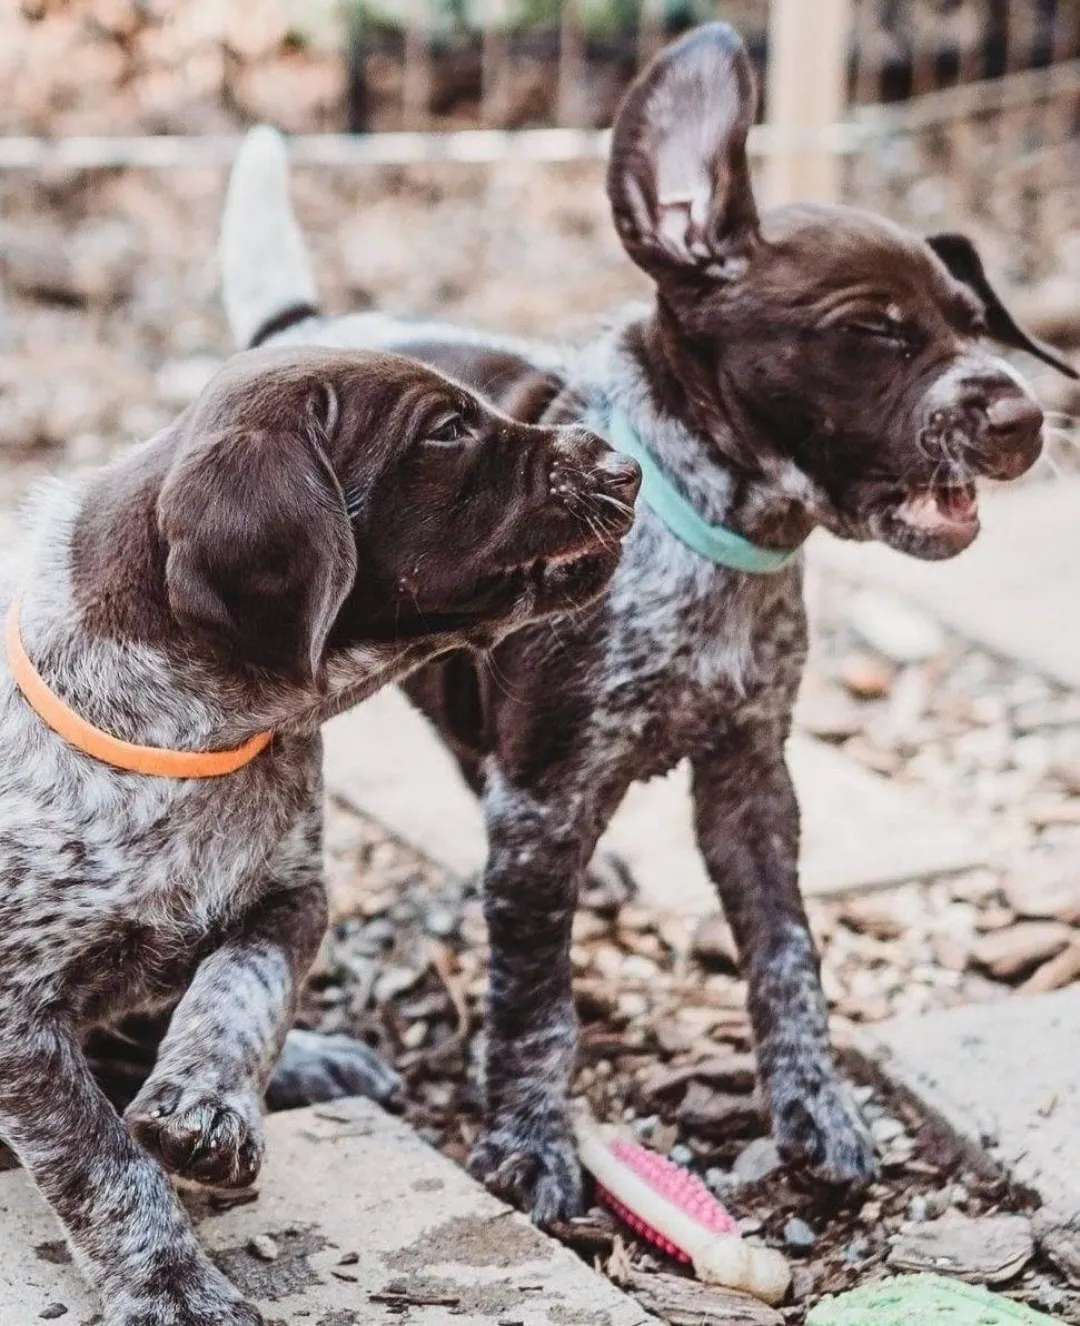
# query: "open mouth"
940,509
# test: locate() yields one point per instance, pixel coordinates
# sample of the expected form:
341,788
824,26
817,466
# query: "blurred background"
448,160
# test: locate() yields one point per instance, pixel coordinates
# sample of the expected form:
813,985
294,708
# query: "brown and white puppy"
811,366
315,525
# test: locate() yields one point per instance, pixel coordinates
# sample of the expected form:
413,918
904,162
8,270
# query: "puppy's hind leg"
118,1209
747,822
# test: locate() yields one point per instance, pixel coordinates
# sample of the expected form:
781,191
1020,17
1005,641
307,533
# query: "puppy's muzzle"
618,476
609,481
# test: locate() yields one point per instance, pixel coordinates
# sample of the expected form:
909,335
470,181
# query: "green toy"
923,1300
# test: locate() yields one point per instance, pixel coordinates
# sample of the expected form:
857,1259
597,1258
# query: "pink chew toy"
673,1210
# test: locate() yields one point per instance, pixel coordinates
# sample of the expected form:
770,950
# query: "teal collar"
716,543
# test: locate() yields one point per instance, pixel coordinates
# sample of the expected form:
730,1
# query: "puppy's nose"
1014,420
620,476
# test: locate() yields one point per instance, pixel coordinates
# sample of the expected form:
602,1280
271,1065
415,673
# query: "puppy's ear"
962,259
261,553
678,178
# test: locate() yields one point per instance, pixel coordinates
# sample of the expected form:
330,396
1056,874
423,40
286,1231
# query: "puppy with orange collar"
317,524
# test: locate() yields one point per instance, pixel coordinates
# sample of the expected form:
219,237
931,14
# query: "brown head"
317,500
845,359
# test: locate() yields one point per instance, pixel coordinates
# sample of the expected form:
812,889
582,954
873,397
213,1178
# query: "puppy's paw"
165,1314
313,1069
198,1133
187,1293
818,1127
539,1173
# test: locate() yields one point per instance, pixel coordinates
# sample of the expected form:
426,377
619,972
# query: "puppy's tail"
267,283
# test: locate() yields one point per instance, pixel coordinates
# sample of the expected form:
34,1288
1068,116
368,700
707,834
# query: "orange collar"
99,745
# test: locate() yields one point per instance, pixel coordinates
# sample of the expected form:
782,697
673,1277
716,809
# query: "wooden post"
807,92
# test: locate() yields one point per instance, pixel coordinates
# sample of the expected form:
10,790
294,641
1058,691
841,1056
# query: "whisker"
499,678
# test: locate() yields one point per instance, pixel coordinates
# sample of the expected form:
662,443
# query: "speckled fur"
203,900
115,889
814,366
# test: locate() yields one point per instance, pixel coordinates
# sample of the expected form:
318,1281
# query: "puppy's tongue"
940,508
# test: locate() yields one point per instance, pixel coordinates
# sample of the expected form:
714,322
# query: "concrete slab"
356,1205
1005,1077
859,830
1013,591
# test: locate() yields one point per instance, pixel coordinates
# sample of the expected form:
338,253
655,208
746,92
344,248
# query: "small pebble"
264,1247
53,1312
1050,1297
757,1161
718,1182
918,1209
644,1126
376,936
886,1130
798,1235
440,922
681,1155
866,677
857,1251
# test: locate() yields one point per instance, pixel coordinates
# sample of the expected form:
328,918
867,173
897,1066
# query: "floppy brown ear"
261,553
962,259
678,177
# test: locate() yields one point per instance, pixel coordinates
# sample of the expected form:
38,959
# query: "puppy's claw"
820,1129
540,1175
314,1069
198,1134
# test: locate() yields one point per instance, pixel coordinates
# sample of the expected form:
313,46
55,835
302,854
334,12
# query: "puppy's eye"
880,329
446,430
888,333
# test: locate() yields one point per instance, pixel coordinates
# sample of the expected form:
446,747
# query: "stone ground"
407,1235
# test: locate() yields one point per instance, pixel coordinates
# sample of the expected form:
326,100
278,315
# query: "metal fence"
949,111
419,64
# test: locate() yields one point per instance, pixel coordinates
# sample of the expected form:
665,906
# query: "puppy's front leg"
539,842
747,821
200,1110
116,1204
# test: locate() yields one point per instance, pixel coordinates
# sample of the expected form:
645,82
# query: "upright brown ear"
962,259
261,553
678,178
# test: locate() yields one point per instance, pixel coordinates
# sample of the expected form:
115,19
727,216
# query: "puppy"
315,525
812,366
